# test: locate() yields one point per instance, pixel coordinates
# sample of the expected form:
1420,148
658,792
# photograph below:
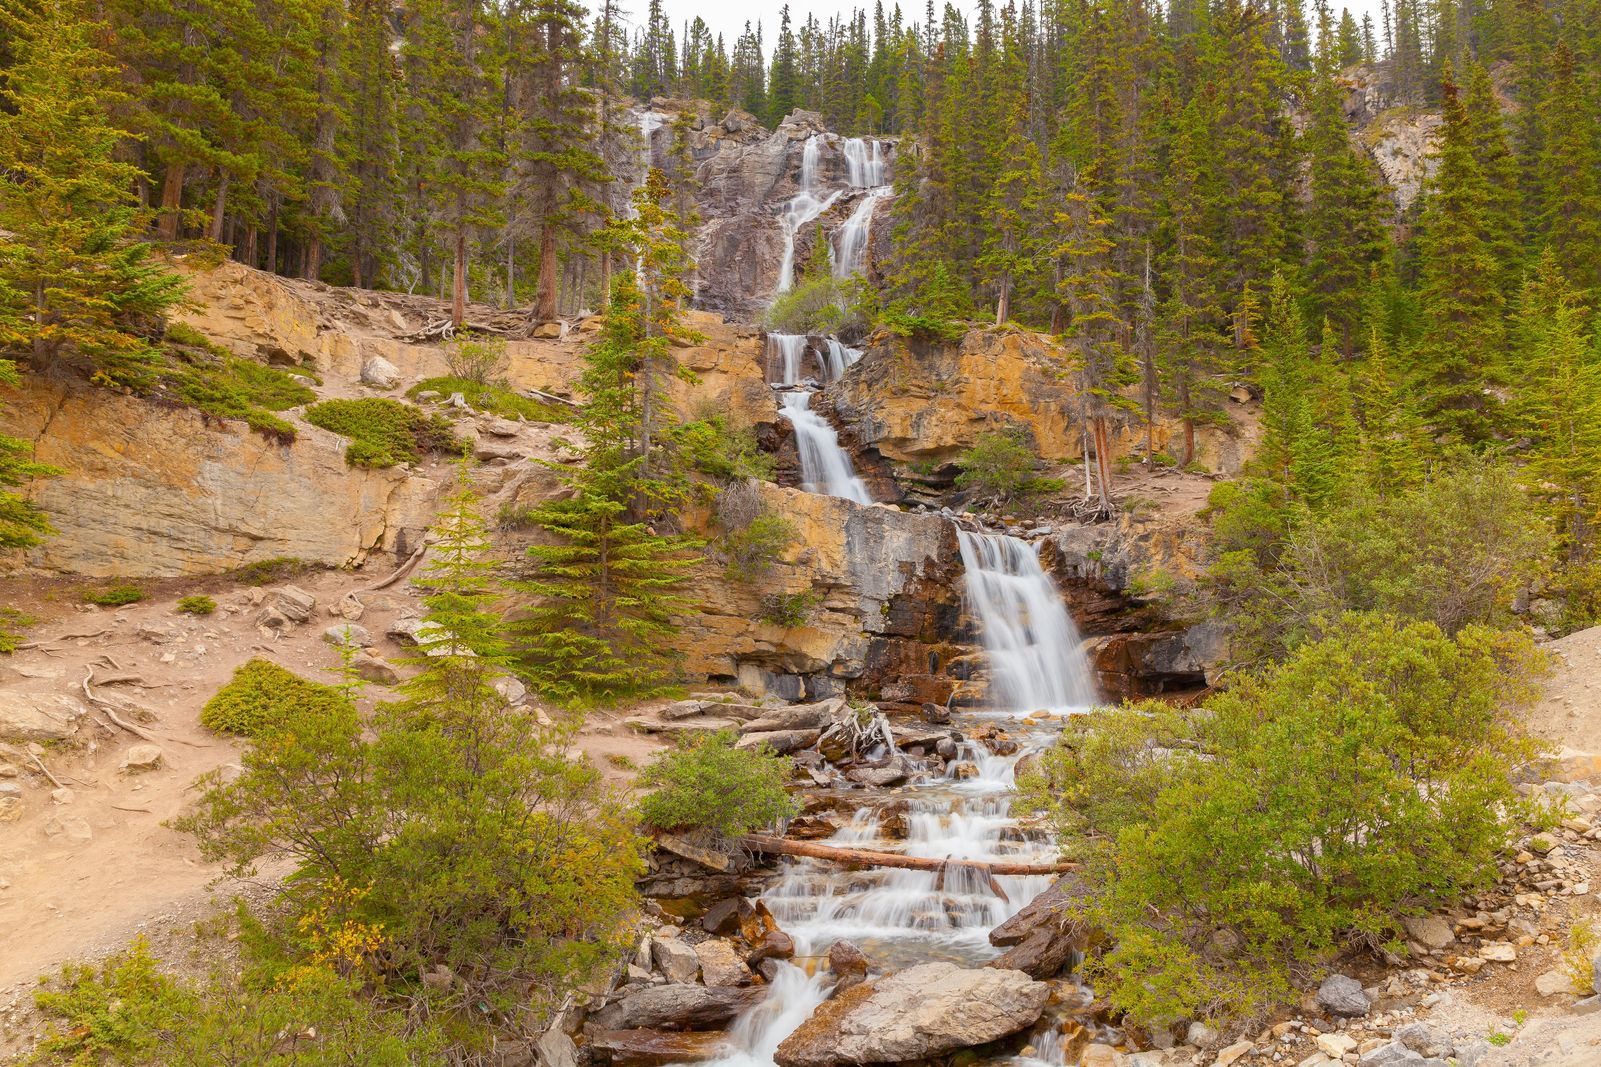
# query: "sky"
728,17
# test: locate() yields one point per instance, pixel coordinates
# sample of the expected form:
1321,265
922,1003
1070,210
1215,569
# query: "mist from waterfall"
1036,658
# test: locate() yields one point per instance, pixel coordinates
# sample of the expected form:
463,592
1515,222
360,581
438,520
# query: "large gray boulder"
677,1006
39,716
1342,995
915,1014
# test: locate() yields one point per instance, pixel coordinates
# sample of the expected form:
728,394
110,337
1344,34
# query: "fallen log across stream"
779,846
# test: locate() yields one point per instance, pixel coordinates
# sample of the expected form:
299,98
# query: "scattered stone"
1431,931
1202,1036
142,758
1541,844
1098,1055
878,777
919,1013
347,633
10,808
1424,1039
496,427
723,917
511,689
1232,1053
1342,995
295,603
1335,1045
720,965
73,828
63,795
372,669
782,742
1389,1054
1467,964
348,607
848,964
674,959
155,634
379,373
39,716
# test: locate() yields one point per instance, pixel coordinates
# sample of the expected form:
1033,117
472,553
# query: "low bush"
477,360
115,597
384,432
1305,809
223,386
14,625
815,306
708,784
263,698
999,466
721,452
788,609
267,571
196,605
754,549
494,398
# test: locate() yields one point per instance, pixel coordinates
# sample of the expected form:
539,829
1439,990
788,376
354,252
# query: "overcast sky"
728,17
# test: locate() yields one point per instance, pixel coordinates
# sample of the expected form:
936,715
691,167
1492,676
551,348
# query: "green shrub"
128,1012
13,628
267,571
788,609
1307,808
708,784
207,377
815,306
477,360
710,446
115,597
263,698
754,549
999,466
196,605
384,432
495,398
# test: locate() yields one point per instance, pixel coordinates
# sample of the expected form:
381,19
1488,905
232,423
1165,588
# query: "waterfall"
1034,649
850,251
803,208
839,358
825,468
791,349
864,163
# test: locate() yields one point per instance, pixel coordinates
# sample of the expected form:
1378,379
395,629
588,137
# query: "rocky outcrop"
881,596
915,1014
921,404
680,1006
150,490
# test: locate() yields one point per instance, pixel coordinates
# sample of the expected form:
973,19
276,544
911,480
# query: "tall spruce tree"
1570,171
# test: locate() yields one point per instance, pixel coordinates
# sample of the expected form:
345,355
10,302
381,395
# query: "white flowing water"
850,240
838,358
803,208
791,349
825,468
1035,658
864,162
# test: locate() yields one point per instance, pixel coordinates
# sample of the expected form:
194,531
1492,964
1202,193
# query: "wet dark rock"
848,964
676,1006
1042,954
1342,995
1051,910
647,1048
724,916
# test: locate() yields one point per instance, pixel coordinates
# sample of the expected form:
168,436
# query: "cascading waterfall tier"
1034,649
802,209
790,349
838,358
825,468
864,162
850,240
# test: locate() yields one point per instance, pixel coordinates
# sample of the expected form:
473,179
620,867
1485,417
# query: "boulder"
41,717
142,758
348,607
878,777
783,742
679,1005
648,1048
720,965
379,373
1430,931
1052,909
347,633
294,603
676,961
1425,1040
848,964
723,917
797,717
372,669
511,689
919,1013
1042,954
1342,995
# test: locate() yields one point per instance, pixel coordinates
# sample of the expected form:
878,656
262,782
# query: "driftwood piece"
39,763
403,570
678,846
779,846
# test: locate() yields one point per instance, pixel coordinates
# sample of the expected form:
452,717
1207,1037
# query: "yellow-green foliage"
708,784
1578,955
493,397
224,386
264,697
115,597
13,625
196,605
384,432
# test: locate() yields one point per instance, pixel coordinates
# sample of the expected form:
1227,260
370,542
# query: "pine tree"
1461,299
1504,225
369,142
606,594
783,82
77,286
1297,455
1394,440
1570,172
1558,403
1013,218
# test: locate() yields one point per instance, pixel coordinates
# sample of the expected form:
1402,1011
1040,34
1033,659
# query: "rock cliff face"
921,404
155,491
885,605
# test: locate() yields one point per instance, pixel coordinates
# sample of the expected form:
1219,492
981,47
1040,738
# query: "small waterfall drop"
864,162
825,468
850,249
1035,657
803,208
839,358
791,349
754,1040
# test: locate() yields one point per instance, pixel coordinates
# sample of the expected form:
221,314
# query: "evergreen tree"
1394,440
1462,302
1503,222
1298,453
783,83
77,287
1013,216
369,142
1570,172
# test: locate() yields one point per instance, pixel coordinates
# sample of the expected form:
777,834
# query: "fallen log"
779,846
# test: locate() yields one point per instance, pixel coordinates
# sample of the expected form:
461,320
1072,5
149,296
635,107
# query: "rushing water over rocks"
825,467
802,209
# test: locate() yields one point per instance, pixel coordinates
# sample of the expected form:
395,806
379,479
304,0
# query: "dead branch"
81,637
403,570
861,857
39,763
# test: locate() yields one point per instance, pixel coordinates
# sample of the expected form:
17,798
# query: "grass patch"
196,605
267,571
14,625
492,397
213,381
385,432
115,597
263,698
